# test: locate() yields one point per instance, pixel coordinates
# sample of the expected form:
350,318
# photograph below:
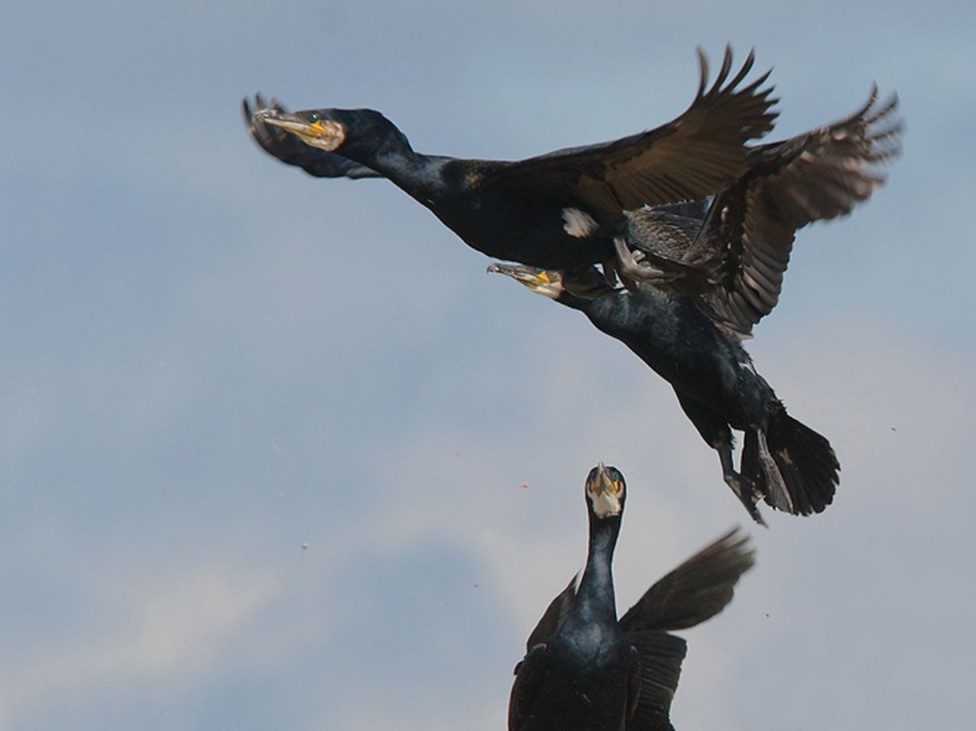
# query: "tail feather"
794,466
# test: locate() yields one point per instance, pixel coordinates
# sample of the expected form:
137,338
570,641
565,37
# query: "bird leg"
634,267
741,485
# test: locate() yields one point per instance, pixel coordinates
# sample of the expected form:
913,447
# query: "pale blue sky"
210,360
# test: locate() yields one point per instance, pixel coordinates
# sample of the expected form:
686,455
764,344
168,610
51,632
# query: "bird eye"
313,117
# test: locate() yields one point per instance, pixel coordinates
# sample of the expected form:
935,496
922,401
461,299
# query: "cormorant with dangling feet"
702,276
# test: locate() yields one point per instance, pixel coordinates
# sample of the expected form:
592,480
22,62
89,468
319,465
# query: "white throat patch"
605,505
578,224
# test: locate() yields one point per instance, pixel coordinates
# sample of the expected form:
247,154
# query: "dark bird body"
683,346
701,275
555,210
719,389
584,669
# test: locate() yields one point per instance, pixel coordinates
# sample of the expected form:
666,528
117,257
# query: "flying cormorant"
584,669
557,210
709,274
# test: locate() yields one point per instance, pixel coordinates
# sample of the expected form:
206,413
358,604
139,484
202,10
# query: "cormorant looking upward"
715,273
584,669
555,210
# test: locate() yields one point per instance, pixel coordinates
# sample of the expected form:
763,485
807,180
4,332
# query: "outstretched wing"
292,151
688,158
747,237
697,590
554,615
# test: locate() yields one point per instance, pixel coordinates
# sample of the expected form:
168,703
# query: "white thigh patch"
577,223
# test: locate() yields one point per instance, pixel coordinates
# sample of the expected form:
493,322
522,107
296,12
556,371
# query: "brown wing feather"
688,158
748,235
695,591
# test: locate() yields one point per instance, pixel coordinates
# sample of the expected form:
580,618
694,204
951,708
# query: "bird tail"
794,467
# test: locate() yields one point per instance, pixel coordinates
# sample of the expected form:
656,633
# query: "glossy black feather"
522,211
586,669
734,257
787,464
661,655
687,158
695,591
719,390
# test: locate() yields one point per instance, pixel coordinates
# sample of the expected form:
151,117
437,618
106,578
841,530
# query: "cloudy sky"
262,436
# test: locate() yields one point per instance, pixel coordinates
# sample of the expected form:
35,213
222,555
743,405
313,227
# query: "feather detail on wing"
689,158
696,590
660,668
747,237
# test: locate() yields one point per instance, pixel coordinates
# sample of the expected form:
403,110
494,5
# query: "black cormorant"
734,253
557,210
584,669
710,273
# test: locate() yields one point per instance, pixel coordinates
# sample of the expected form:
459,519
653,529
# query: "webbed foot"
633,265
746,492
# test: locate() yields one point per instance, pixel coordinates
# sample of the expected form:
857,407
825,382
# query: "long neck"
595,601
571,300
417,174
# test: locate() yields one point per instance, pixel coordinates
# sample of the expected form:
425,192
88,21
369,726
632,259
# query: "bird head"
350,132
605,491
546,282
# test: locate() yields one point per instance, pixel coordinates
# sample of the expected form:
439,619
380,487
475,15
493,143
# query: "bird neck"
417,174
595,600
571,300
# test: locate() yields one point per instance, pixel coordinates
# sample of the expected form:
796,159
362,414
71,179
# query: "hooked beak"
603,484
325,134
529,276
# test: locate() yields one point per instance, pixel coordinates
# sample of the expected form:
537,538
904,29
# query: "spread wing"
554,616
292,151
747,237
697,590
689,158
660,233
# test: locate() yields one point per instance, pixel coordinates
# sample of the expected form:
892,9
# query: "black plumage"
556,210
704,274
734,252
584,669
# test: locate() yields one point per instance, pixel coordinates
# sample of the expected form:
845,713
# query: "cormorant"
709,273
584,669
557,210
733,253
